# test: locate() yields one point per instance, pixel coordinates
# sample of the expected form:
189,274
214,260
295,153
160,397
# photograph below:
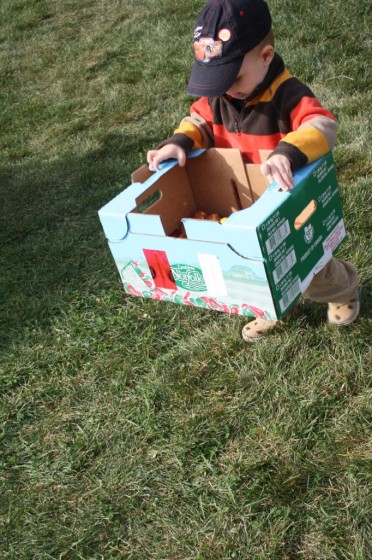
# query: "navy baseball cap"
225,31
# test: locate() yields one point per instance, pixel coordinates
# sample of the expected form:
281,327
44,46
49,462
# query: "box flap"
257,181
219,181
113,215
139,223
241,227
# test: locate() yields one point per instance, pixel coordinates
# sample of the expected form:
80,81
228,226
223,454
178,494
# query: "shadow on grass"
53,246
316,313
366,299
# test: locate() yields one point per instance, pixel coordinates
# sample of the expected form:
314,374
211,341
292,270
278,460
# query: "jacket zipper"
238,118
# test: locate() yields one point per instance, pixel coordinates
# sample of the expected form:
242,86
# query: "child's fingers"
280,171
181,158
151,159
155,157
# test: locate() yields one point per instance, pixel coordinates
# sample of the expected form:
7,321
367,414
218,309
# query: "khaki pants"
335,283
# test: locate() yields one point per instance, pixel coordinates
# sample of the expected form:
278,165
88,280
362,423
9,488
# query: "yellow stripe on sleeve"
310,141
192,132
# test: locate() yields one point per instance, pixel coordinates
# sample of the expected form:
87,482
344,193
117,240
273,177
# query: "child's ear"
267,54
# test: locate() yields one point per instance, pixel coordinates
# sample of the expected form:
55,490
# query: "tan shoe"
342,314
257,329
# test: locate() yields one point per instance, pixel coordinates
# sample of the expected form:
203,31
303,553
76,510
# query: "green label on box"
189,277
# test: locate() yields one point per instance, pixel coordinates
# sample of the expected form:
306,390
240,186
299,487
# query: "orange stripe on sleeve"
308,108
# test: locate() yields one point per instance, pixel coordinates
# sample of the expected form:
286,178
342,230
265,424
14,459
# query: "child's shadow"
366,301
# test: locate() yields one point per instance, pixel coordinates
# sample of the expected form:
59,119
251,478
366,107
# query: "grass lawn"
140,430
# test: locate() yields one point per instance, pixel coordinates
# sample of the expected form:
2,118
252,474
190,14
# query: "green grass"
138,430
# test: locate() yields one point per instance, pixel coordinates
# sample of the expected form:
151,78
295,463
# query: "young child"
249,101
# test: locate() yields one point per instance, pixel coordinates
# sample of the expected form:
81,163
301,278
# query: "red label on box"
160,269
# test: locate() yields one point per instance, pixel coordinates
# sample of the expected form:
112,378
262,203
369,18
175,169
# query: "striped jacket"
282,115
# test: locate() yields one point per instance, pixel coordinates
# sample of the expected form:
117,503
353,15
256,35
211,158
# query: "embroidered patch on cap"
207,48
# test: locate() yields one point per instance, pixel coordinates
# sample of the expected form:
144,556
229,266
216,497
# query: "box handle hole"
305,215
149,202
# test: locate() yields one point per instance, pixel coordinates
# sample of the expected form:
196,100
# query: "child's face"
252,72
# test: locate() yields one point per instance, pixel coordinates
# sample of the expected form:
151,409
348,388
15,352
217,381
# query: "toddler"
248,100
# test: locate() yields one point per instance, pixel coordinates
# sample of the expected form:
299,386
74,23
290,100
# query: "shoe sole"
265,331
252,338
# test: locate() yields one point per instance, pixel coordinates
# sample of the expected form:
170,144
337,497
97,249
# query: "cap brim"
208,79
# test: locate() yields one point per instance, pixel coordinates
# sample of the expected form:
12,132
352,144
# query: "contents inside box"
210,187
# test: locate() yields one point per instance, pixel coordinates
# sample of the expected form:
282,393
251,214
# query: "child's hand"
278,168
169,151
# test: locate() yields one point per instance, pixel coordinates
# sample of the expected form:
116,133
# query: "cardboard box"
255,263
